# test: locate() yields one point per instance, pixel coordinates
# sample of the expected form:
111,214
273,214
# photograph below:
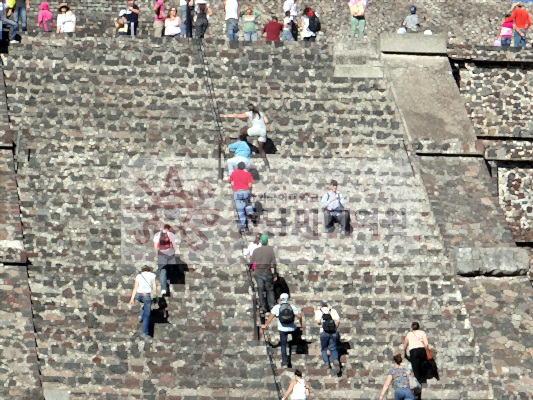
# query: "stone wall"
497,98
515,183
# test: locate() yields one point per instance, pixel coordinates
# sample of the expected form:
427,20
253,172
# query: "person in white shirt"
286,34
143,286
165,249
333,207
232,19
282,311
415,343
66,20
298,387
291,6
252,246
307,34
329,322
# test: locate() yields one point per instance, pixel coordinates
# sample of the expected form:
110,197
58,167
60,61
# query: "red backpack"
164,241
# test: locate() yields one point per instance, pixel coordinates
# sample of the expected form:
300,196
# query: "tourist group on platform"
190,19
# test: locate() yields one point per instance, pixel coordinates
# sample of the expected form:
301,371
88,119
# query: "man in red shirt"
241,183
273,30
522,20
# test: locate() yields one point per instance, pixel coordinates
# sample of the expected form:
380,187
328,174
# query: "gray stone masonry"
118,137
11,238
434,116
19,369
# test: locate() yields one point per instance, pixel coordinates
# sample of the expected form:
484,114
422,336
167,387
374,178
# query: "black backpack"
286,314
314,24
270,147
328,324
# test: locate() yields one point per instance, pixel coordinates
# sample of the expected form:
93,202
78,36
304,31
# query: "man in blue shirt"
242,154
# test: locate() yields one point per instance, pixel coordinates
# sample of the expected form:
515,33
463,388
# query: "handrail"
220,130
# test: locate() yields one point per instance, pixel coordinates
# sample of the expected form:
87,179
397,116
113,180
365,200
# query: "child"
44,18
121,23
506,32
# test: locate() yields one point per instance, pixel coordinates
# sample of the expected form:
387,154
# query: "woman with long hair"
259,127
202,21
399,377
298,387
307,34
173,23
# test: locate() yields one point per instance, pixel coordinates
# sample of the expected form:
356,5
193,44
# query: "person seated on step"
280,285
411,23
333,206
66,20
242,154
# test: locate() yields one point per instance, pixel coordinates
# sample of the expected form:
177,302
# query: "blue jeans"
519,41
283,339
286,36
232,29
403,394
20,12
145,311
250,36
13,27
506,42
329,341
243,205
184,20
162,262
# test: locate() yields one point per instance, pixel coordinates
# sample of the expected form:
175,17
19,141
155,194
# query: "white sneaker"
163,292
14,41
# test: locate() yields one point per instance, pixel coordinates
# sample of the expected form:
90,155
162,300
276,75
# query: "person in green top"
249,17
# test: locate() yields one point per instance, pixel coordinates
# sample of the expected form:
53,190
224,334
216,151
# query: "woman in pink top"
506,32
44,18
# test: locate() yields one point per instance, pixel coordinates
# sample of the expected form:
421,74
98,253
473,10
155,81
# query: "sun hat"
63,5
122,12
44,6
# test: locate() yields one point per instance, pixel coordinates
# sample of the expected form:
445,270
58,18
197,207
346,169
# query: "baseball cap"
323,304
122,12
146,264
264,238
284,297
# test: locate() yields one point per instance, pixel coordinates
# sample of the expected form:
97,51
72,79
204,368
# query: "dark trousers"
342,219
265,291
310,39
201,26
283,340
417,357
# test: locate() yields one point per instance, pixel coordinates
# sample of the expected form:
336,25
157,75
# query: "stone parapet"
490,261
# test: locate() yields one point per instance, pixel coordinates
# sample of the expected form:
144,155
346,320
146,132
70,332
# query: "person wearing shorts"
259,127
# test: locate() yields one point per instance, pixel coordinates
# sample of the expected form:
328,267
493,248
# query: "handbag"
428,353
153,293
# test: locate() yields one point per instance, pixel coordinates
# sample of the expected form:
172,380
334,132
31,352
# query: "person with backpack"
286,34
310,25
45,19
357,10
165,249
329,322
298,387
286,314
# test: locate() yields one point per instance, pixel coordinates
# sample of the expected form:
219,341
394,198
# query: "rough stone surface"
464,202
490,261
515,185
434,114
496,98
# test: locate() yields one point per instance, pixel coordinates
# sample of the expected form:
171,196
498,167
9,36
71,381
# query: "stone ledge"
496,261
414,43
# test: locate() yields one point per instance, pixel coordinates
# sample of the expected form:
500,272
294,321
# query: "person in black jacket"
280,286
